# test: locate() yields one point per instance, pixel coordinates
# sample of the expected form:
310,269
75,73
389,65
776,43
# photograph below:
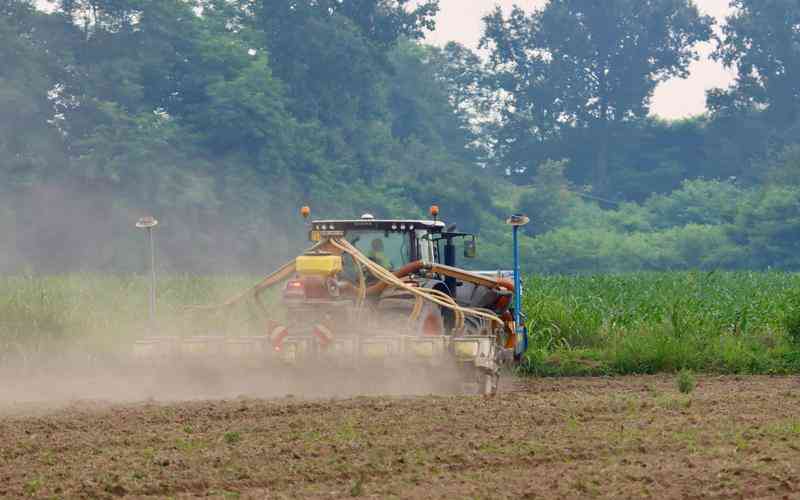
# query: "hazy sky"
460,20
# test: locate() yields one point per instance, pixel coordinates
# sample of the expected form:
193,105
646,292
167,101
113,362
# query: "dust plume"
68,227
73,302
50,381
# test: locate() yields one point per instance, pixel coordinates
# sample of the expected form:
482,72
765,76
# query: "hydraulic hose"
386,279
428,294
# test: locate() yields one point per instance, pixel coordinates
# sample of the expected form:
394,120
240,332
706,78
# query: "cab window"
386,248
426,246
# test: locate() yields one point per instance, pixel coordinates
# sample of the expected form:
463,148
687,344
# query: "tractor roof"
369,223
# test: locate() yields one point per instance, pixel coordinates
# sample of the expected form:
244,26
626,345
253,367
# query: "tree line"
222,117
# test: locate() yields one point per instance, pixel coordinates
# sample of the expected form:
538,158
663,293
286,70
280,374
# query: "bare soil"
633,437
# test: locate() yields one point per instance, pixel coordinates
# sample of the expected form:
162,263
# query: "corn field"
717,322
723,322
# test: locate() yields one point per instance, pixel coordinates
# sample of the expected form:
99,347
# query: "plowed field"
552,438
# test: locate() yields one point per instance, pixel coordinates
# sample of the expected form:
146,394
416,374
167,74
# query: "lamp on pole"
516,221
150,223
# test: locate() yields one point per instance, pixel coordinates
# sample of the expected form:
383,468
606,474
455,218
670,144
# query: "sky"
460,20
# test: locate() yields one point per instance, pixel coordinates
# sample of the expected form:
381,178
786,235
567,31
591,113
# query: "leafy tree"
421,106
699,202
249,116
785,168
737,144
584,64
757,116
467,83
29,75
328,50
762,41
549,201
769,227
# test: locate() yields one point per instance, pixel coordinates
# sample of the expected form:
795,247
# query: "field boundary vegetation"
637,323
642,323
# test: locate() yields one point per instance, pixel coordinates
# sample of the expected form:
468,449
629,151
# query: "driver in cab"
377,255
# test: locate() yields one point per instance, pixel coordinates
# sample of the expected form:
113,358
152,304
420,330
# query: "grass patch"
33,486
685,381
232,437
672,403
190,445
357,489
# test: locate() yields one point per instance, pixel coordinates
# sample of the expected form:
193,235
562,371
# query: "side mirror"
470,249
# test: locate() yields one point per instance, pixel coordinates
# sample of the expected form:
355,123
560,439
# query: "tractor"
385,296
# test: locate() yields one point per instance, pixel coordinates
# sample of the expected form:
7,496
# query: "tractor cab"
395,243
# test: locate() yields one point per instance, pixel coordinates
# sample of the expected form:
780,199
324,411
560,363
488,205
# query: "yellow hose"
362,284
428,294
361,261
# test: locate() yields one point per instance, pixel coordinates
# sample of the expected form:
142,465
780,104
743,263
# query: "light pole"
150,223
516,221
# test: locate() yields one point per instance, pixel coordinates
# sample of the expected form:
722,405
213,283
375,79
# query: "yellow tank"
318,265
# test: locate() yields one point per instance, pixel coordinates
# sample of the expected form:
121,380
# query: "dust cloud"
70,227
53,382
76,343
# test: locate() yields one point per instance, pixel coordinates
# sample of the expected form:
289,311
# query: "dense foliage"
724,322
577,70
221,117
